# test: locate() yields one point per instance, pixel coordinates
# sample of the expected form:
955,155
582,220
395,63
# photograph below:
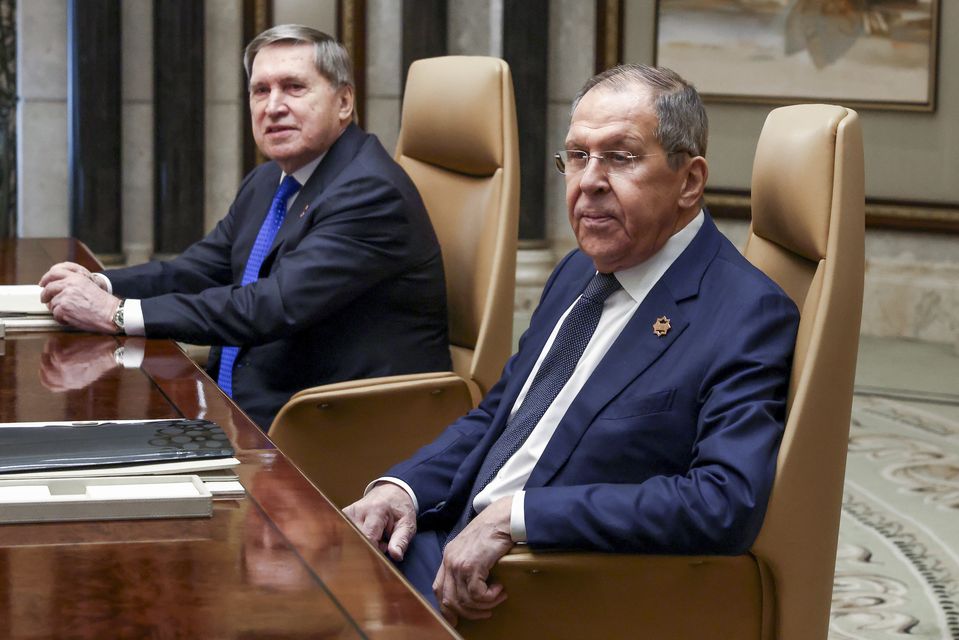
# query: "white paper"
22,298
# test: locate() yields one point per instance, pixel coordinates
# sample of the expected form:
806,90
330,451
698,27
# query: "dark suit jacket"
353,285
671,445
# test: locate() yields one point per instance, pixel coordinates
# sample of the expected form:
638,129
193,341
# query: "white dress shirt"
133,323
637,282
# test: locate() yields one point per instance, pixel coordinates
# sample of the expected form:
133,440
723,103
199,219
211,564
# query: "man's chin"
604,257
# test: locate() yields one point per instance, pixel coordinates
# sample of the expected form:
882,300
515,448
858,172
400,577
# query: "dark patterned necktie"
261,247
554,372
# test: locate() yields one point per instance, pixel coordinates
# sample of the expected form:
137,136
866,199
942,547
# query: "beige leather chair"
807,234
458,143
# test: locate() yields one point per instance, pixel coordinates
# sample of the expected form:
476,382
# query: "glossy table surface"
281,563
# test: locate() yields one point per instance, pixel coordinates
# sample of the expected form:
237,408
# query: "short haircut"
331,59
683,126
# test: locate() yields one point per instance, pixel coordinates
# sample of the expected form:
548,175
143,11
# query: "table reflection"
266,558
69,362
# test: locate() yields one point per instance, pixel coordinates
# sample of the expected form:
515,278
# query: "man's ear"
344,103
697,172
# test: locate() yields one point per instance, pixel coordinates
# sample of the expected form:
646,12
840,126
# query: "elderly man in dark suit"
644,409
326,256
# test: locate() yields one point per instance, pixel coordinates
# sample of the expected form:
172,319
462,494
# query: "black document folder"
108,444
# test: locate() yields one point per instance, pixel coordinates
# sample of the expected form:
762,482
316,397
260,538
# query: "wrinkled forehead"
614,114
284,56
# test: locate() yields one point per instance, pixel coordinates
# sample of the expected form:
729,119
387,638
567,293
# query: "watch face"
118,316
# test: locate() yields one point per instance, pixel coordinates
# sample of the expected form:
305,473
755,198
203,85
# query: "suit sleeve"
718,505
358,238
203,265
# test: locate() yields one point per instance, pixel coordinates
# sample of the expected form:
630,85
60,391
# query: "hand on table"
461,585
76,298
387,517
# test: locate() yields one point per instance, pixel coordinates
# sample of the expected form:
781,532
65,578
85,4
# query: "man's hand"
74,298
61,270
461,584
386,516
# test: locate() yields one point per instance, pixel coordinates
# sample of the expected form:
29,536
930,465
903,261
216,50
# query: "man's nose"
594,176
275,103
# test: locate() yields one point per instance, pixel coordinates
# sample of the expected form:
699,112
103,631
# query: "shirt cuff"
130,354
517,517
399,483
133,318
103,281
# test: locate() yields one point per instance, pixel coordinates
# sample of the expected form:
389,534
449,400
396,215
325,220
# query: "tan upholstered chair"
458,142
807,234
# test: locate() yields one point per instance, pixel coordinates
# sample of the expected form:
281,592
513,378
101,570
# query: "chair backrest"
459,144
807,233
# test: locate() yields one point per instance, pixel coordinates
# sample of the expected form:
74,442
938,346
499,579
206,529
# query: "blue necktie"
552,376
261,247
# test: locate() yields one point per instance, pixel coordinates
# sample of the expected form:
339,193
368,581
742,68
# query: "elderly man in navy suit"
644,409
326,255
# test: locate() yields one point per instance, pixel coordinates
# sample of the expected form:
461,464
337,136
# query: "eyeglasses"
571,162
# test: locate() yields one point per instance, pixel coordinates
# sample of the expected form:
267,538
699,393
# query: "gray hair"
683,126
331,59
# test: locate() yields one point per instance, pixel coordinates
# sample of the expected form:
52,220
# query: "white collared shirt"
133,322
637,282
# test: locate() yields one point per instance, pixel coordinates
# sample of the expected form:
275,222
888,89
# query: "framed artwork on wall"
860,53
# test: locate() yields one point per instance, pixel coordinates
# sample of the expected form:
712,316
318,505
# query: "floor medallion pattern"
897,566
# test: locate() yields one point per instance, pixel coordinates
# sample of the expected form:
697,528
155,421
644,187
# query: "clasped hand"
386,517
74,297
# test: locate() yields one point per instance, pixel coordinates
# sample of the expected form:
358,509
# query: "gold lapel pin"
661,327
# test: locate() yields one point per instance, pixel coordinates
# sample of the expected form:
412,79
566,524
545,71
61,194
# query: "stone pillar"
527,42
424,32
42,205
178,99
226,103
8,119
384,45
93,117
136,19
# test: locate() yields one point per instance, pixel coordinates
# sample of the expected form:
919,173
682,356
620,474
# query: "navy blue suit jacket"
671,445
353,286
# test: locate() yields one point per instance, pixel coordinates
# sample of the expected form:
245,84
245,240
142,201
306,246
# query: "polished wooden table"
280,563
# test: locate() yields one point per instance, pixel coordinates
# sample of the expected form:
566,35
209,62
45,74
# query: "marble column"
384,45
179,115
226,103
8,119
42,206
527,44
93,120
424,31
136,76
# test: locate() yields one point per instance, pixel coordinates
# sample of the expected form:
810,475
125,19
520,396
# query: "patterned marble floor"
897,571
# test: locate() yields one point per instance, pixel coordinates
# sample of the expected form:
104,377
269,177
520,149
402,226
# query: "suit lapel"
636,348
339,156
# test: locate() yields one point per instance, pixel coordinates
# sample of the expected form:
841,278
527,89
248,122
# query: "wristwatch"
118,317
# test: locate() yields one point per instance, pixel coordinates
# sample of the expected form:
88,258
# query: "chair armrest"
342,436
599,595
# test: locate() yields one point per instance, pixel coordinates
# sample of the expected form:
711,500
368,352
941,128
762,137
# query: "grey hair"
330,57
682,123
